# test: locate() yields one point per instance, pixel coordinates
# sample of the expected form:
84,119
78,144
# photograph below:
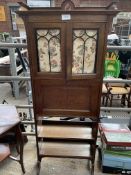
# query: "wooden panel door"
84,67
67,77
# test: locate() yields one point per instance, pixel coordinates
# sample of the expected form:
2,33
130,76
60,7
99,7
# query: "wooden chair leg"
129,100
17,149
21,146
123,99
111,100
103,99
21,158
92,168
91,163
107,98
38,166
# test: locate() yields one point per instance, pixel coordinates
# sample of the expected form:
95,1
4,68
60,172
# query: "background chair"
120,92
8,143
105,94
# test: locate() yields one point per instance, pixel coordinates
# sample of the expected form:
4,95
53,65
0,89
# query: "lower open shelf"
65,132
63,149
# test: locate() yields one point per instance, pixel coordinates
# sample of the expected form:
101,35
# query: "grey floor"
49,166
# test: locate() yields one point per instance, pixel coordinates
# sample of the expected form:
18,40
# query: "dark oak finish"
64,87
66,92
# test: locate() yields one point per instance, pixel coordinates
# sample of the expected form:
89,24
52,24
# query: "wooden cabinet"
66,49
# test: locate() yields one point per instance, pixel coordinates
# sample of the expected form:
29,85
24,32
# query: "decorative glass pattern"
84,51
48,43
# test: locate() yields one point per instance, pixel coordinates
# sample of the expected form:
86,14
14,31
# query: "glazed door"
67,78
84,67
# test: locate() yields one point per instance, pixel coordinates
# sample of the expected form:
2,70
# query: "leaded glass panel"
49,56
84,51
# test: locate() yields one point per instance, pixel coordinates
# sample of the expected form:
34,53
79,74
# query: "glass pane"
84,51
48,43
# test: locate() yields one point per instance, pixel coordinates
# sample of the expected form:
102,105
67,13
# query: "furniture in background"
118,91
12,64
10,123
4,151
66,47
105,94
115,147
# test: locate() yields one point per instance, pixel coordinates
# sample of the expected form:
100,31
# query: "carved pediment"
70,4
67,5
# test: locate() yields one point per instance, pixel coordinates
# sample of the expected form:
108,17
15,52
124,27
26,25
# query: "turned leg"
92,168
21,145
111,100
38,166
21,158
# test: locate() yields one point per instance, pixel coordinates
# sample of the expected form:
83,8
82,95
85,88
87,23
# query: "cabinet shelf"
64,149
71,132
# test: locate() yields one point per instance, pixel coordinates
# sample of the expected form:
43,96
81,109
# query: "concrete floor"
49,166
